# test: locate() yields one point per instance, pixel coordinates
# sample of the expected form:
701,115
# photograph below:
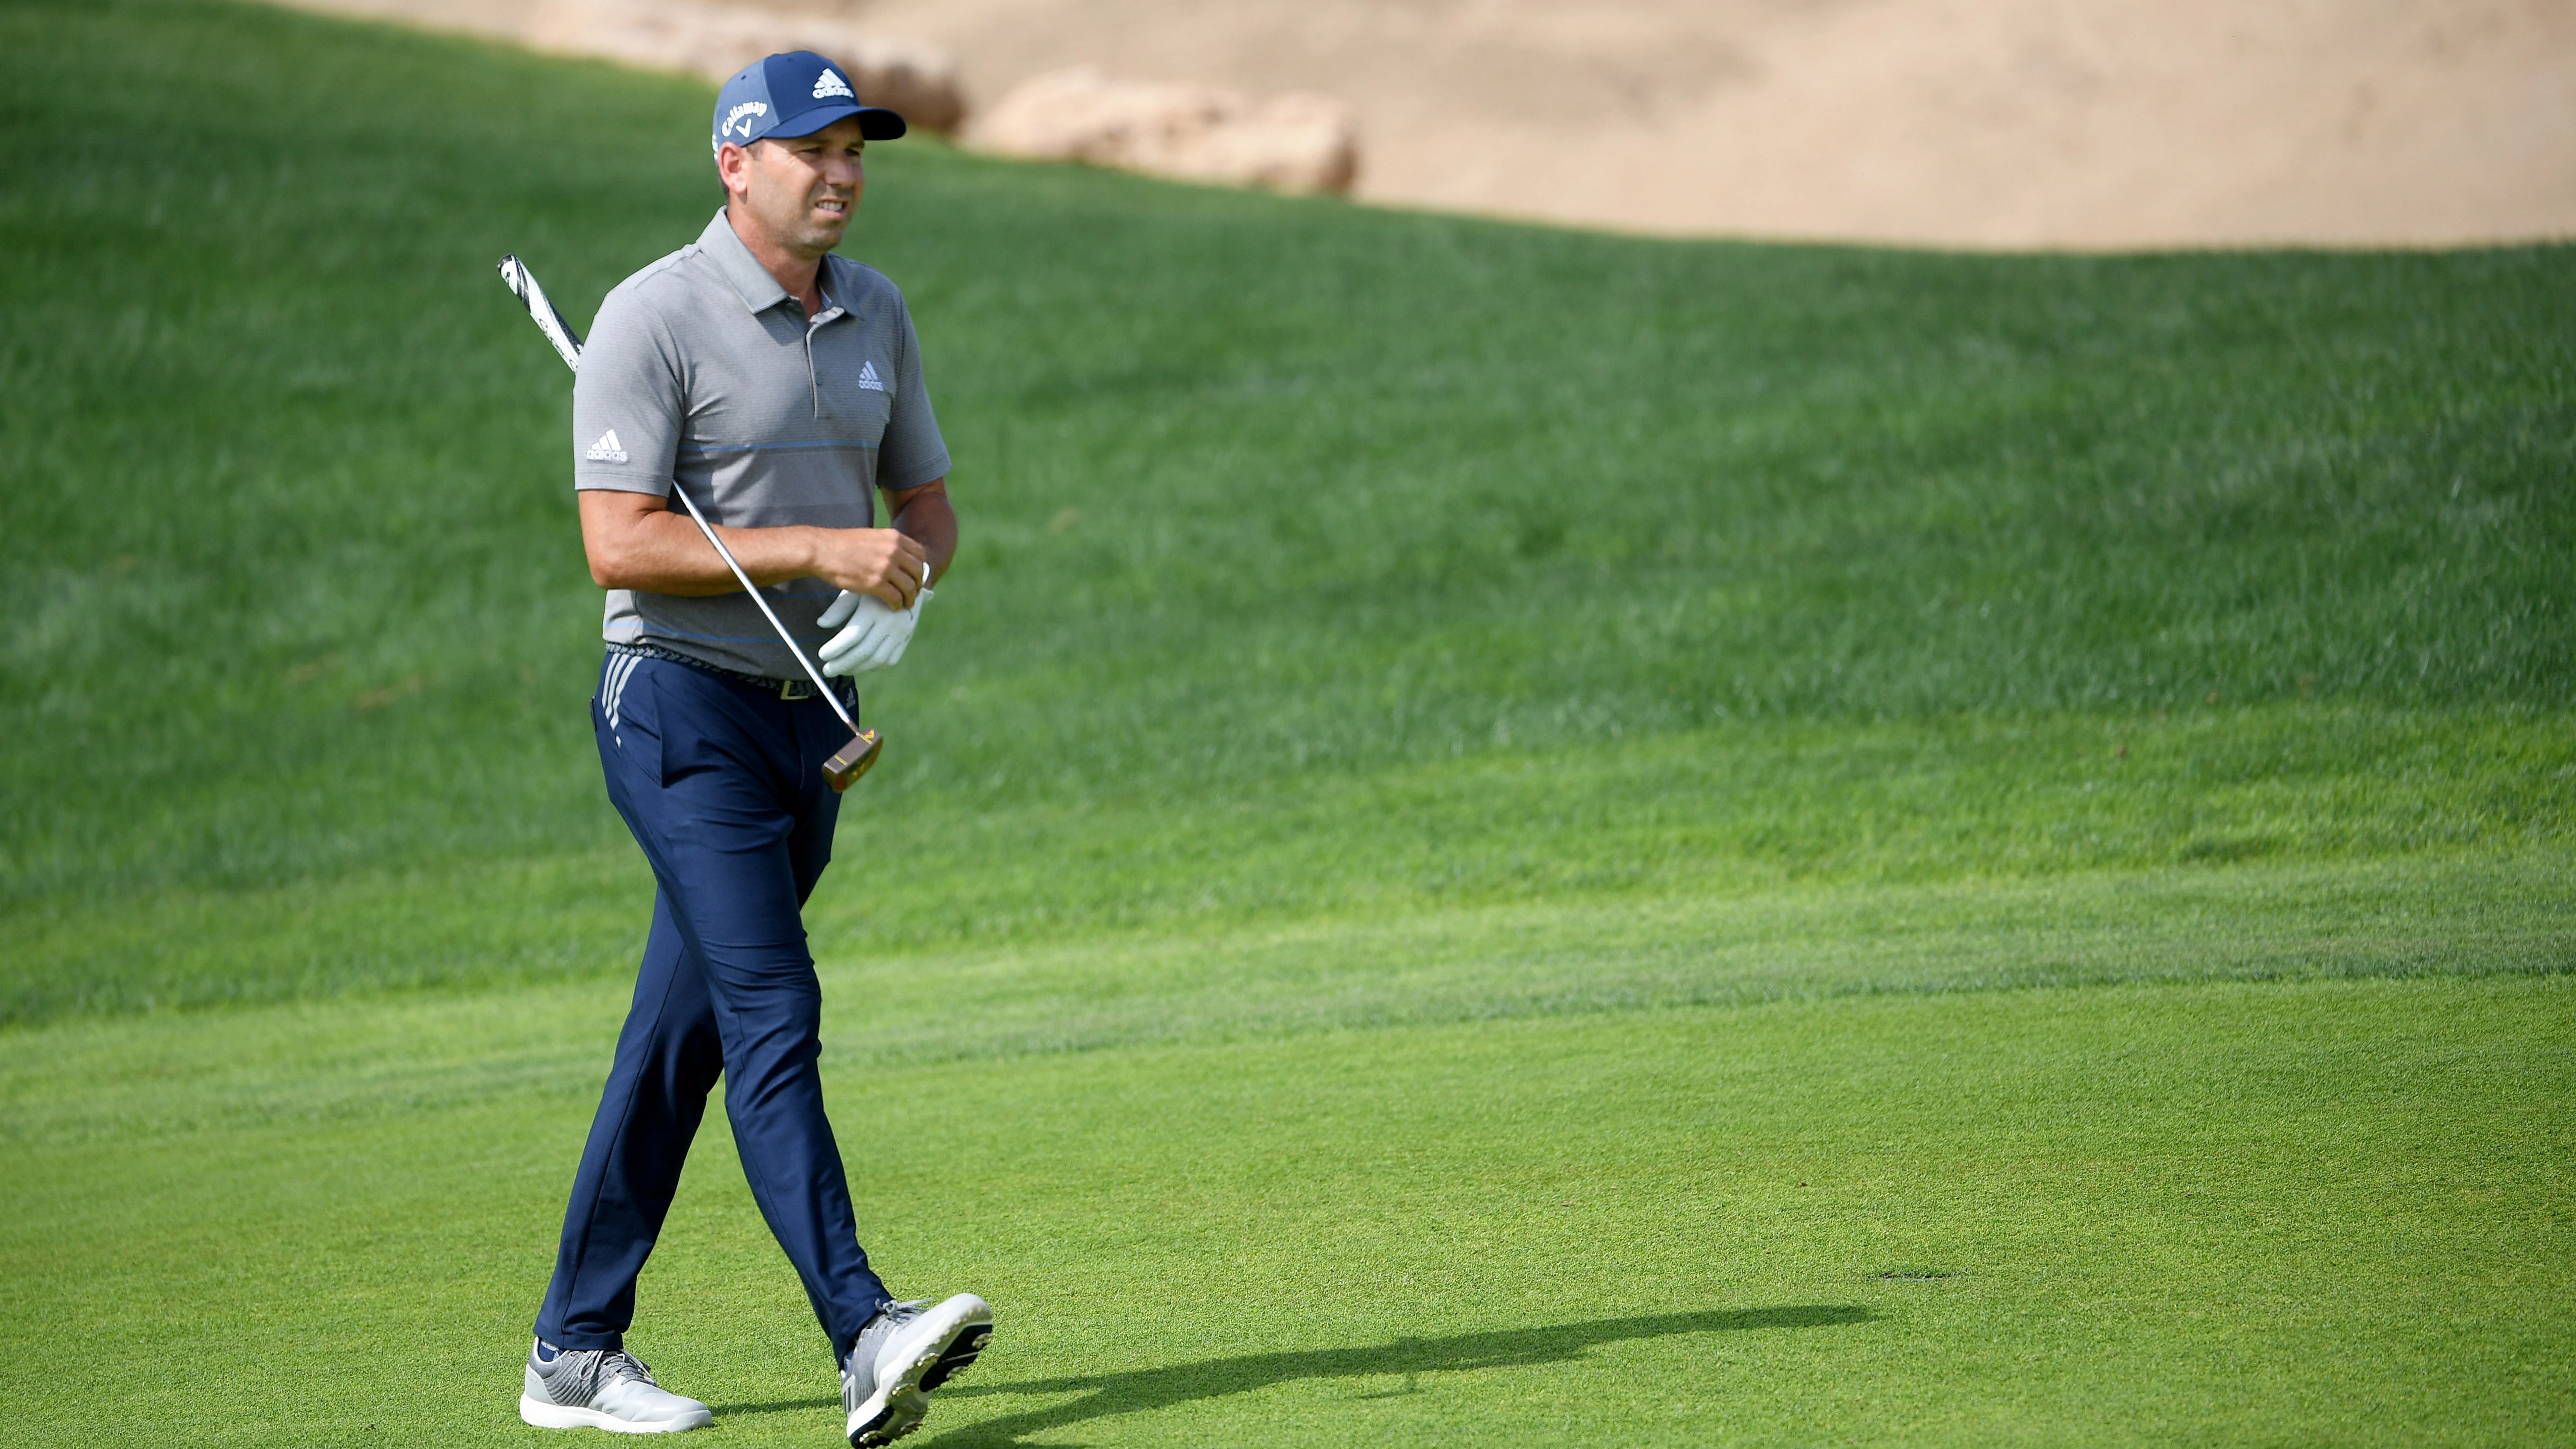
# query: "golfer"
781,387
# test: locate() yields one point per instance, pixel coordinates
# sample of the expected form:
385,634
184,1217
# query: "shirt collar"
760,291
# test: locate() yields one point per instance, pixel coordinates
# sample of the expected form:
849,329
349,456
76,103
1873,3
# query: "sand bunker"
1983,123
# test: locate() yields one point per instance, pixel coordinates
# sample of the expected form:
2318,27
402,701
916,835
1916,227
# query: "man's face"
798,191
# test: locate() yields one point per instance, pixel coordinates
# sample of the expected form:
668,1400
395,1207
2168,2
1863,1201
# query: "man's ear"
733,167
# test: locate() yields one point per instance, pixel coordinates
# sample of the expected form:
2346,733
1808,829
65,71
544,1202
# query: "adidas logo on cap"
607,449
829,83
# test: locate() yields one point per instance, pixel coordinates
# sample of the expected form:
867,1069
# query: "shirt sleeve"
626,401
911,453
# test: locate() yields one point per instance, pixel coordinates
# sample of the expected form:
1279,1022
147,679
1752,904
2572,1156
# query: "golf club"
851,760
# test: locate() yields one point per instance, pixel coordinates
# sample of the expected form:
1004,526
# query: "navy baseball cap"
795,94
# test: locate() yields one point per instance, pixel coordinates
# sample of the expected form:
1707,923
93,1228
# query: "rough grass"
1317,558
1504,834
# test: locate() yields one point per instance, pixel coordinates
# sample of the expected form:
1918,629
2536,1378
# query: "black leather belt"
789,689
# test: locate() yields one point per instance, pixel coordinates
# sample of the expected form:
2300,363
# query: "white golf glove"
875,635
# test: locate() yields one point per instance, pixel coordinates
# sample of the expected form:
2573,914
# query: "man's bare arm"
639,541
924,515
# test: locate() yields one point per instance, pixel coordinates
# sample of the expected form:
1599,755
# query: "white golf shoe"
603,1389
904,1353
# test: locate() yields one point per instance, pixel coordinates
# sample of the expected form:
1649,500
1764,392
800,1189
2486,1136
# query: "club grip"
853,759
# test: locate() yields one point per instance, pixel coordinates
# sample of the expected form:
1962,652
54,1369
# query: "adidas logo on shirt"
829,83
607,449
868,379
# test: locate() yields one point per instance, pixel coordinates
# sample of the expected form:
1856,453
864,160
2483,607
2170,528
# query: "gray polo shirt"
701,372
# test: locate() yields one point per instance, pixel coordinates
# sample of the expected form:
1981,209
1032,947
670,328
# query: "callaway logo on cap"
794,94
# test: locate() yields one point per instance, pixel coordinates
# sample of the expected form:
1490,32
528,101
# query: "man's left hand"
872,636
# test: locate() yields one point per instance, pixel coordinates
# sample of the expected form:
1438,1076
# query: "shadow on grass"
1141,1390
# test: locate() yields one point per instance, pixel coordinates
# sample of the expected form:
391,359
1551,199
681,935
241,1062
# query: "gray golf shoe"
904,1353
608,1389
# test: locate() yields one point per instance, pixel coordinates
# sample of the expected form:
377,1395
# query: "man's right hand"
884,563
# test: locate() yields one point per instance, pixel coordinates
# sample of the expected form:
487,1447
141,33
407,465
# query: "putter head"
853,759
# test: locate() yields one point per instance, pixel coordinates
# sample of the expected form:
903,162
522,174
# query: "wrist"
811,553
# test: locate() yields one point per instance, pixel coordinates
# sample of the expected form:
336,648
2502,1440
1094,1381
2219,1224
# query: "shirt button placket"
811,380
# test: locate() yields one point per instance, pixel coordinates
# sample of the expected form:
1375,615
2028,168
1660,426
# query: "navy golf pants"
723,787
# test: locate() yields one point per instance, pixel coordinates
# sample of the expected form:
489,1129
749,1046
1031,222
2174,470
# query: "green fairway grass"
2322,1212
1498,834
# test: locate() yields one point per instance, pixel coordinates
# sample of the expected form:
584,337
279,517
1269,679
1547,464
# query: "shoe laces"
624,1365
889,1318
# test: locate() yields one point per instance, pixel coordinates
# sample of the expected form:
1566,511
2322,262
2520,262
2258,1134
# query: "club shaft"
762,600
568,343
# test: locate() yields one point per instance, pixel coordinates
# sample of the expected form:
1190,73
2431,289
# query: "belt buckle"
793,689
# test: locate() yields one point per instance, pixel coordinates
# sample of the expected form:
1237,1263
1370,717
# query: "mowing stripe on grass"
1714,816
155,1076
